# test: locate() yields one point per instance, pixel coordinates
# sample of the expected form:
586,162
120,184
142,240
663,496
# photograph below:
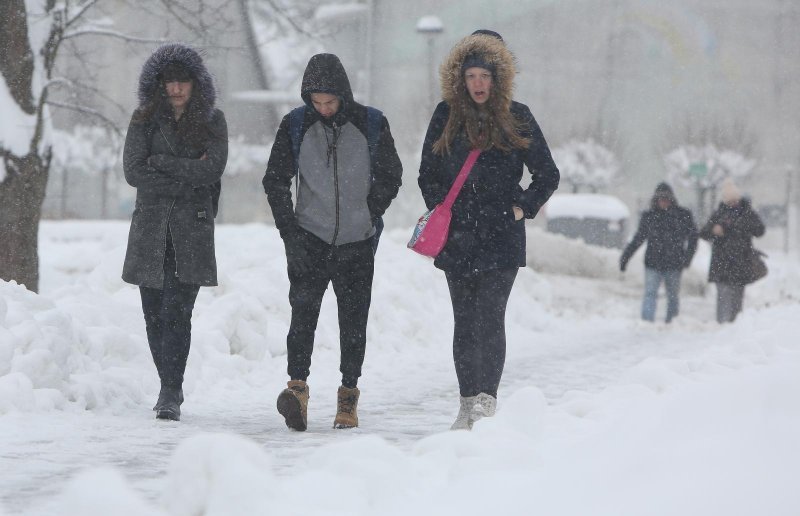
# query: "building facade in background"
640,77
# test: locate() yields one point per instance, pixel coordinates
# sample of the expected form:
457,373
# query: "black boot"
169,403
162,394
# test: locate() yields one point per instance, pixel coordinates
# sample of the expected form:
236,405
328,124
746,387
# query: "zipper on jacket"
169,213
335,181
166,140
478,202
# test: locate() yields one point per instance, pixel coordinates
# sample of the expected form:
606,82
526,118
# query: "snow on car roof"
586,205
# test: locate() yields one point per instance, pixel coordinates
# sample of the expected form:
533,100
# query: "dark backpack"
374,118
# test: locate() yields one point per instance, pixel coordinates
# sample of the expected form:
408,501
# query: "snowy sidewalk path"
401,405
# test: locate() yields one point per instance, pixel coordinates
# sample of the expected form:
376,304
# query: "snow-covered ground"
598,413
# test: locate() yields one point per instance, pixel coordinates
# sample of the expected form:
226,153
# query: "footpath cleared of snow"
598,412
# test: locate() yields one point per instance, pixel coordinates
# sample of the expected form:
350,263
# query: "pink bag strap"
461,178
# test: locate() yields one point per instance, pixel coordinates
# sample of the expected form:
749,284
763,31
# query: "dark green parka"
177,183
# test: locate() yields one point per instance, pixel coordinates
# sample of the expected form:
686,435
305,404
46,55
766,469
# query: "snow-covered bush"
586,164
703,167
706,166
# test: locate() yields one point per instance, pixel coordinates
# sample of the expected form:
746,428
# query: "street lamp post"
430,26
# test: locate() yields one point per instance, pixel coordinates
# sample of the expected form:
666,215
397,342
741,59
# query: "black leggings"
168,320
479,336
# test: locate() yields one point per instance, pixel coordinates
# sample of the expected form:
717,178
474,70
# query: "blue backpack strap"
374,122
295,131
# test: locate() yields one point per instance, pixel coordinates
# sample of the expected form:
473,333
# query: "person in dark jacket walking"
730,230
671,236
175,153
329,232
486,243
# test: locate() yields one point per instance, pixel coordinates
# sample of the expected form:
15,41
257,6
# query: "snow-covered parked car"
598,219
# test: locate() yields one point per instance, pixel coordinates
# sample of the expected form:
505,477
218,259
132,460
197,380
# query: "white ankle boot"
463,421
485,405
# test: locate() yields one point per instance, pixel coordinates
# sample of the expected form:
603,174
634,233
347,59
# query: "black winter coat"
175,191
731,253
671,236
483,233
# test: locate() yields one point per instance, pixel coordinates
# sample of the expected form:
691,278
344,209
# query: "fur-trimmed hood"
176,53
492,51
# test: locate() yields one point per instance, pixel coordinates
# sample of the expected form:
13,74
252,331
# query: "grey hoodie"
342,187
334,168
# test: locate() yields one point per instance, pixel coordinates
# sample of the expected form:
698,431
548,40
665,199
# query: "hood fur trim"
494,52
176,53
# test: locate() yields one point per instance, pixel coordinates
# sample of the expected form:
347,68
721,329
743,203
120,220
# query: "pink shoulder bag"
430,234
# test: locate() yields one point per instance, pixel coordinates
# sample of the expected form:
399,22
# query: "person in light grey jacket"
343,157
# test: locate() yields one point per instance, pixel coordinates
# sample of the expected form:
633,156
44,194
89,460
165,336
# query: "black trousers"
479,336
168,321
350,269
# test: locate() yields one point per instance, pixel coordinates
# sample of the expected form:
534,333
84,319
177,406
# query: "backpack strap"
374,122
374,119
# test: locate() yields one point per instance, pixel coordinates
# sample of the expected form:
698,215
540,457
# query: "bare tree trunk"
21,196
22,190
16,57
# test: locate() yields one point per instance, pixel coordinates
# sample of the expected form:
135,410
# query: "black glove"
623,262
298,260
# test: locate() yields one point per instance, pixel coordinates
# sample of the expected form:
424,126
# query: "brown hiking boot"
293,405
347,403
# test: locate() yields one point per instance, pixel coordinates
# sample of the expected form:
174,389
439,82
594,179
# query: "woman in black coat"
175,152
731,230
486,244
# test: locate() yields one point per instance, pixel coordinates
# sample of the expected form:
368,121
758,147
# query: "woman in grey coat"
175,152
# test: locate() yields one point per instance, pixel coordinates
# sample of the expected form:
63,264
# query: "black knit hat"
477,60
488,32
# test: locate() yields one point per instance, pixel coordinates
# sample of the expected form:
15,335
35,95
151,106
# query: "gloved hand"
622,264
298,260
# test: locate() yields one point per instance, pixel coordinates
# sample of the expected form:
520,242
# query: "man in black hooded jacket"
671,237
343,188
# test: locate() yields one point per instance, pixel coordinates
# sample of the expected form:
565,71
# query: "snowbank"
698,433
675,437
